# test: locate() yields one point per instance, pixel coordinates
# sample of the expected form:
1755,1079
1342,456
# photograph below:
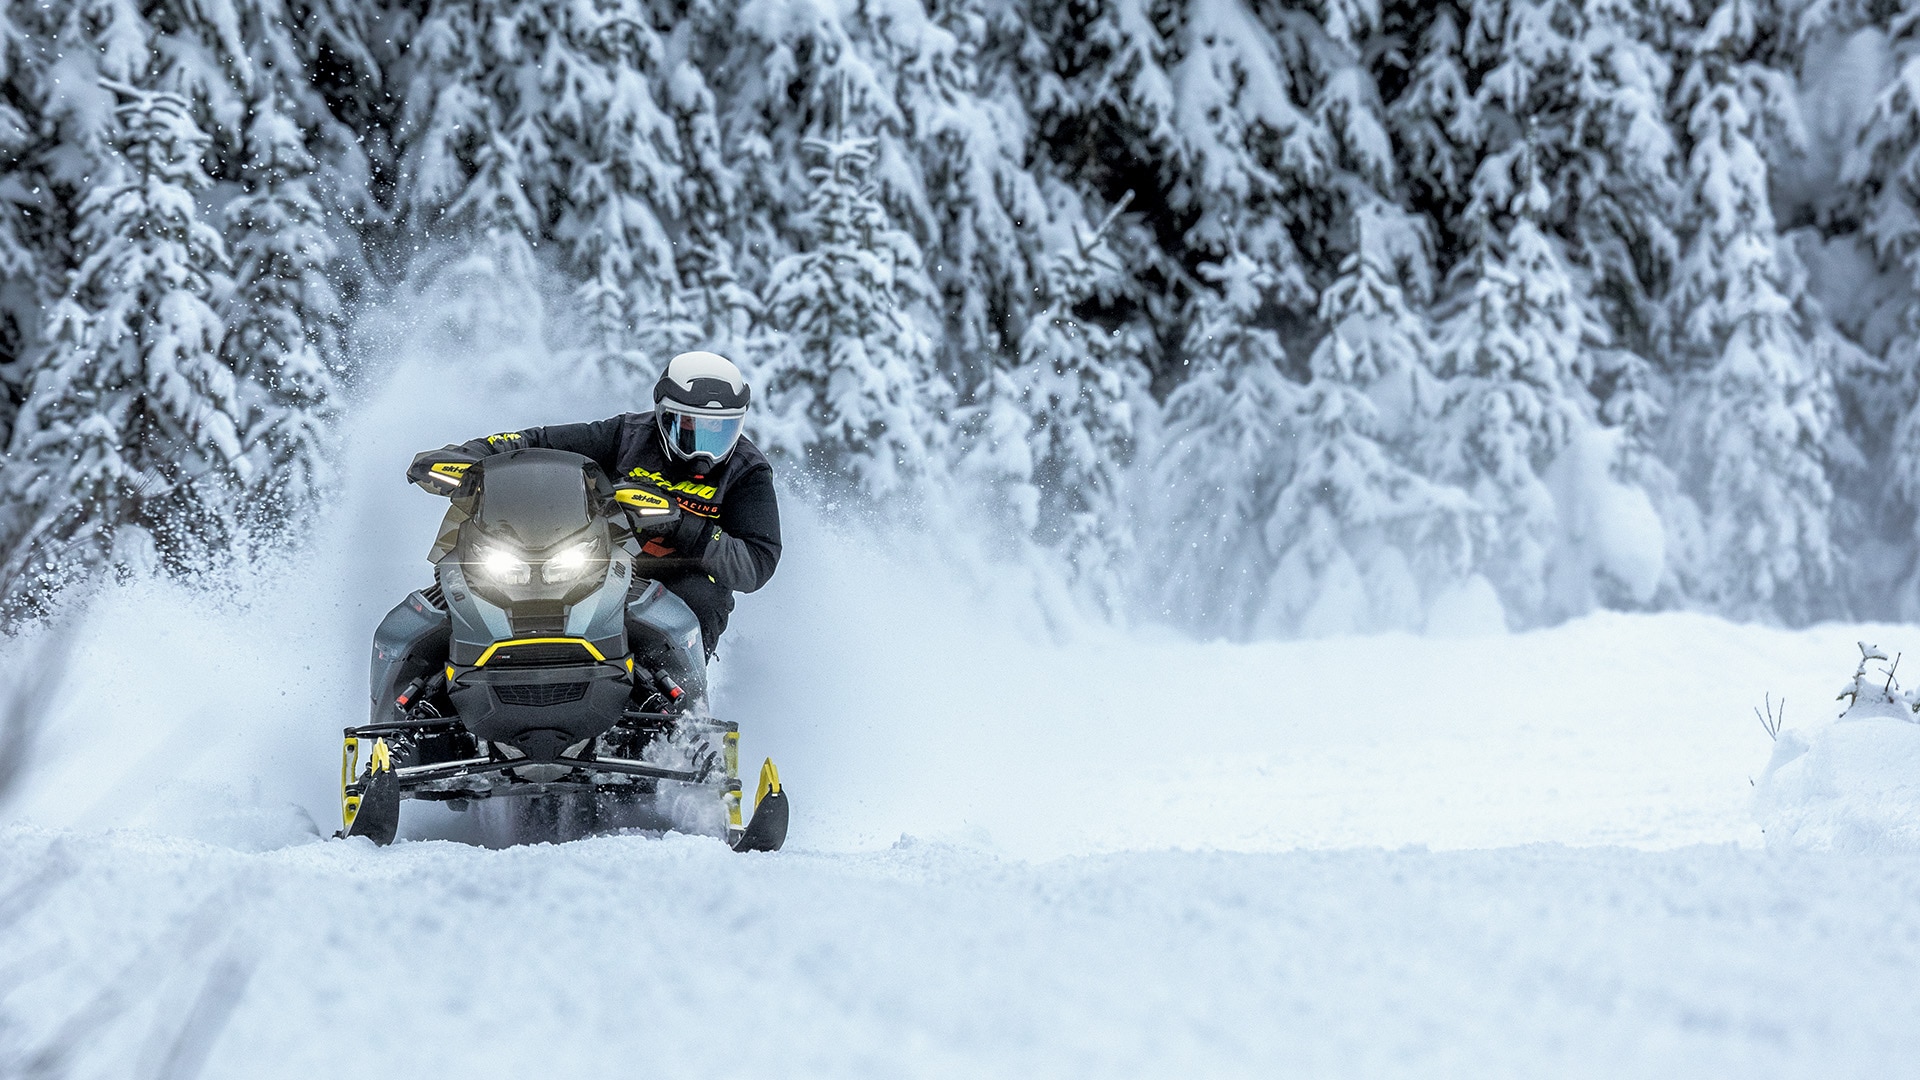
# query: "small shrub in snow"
1877,693
1853,785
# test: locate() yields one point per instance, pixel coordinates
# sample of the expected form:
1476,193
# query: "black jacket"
737,494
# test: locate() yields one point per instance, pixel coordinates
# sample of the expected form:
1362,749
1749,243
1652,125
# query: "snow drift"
1852,784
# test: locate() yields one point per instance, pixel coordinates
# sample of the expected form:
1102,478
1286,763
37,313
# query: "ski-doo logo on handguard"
643,500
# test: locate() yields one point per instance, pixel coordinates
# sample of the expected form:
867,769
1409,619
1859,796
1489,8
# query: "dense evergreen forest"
1258,317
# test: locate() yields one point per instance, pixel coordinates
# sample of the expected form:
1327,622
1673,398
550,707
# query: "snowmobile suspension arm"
399,727
413,775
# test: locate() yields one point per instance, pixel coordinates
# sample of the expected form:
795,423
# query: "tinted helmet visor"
691,435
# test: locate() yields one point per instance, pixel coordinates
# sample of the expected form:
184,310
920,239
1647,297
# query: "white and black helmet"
700,404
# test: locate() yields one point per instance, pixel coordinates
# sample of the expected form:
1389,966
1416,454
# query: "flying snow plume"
31,670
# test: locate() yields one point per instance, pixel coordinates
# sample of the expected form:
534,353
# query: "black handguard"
441,471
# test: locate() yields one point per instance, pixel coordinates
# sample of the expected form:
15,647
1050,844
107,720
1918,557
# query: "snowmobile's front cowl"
534,534
537,587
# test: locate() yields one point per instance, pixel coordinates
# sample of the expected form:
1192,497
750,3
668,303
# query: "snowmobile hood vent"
535,498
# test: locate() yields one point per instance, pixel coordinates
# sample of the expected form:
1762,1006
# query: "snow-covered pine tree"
284,321
1256,159
953,78
1363,538
1231,443
347,67
1578,88
1255,166
1434,118
1757,421
21,270
852,387
1881,172
710,293
779,54
616,152
1105,103
1077,383
129,444
1572,104
1095,80
475,169
996,451
1882,166
1514,351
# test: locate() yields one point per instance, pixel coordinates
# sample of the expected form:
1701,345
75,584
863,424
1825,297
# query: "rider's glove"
691,535
686,538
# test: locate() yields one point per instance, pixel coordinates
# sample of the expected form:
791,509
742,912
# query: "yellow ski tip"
769,782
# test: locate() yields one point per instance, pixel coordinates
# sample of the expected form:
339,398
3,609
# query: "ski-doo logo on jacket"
684,487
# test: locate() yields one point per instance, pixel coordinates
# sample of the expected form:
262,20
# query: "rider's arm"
599,440
747,548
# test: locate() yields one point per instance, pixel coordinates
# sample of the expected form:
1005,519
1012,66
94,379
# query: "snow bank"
1852,784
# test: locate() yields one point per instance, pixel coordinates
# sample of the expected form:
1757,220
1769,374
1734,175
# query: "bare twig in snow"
1771,723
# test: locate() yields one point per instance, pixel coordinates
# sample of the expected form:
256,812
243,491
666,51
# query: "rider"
728,537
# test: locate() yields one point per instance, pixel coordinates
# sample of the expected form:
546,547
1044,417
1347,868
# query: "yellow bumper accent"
498,645
349,764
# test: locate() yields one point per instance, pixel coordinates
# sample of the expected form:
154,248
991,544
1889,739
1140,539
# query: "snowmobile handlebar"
648,506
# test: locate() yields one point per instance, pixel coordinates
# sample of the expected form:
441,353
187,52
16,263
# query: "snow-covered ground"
628,957
1022,847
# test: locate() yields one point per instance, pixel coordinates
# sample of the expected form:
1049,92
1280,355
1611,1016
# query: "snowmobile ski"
768,829
370,805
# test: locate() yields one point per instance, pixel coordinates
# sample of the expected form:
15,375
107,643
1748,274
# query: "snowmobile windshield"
691,434
534,498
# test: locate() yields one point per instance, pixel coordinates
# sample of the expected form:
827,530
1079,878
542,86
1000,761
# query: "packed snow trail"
1022,846
624,956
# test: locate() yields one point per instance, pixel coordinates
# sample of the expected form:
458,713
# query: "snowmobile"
537,669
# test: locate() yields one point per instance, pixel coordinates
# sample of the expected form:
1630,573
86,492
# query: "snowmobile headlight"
570,564
505,567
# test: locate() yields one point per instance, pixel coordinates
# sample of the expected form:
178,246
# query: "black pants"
711,603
